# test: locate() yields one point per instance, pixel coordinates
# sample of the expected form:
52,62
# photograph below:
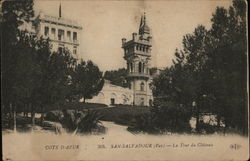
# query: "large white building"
63,33
112,94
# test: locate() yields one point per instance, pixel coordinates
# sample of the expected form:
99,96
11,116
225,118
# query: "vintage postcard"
115,80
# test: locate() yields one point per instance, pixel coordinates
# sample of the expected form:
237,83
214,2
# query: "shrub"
173,118
54,115
91,123
166,118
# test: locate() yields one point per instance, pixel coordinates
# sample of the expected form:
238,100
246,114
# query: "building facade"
112,94
63,33
137,53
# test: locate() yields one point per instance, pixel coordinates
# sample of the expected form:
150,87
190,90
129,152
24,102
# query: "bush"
173,118
91,123
166,118
145,123
75,106
55,115
125,115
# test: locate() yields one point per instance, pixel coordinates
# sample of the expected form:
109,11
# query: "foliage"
34,77
166,118
208,74
117,77
91,123
125,115
77,121
15,14
87,80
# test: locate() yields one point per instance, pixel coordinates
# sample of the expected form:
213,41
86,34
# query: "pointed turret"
144,29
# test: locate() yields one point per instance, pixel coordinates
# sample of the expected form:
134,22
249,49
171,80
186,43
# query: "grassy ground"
124,115
120,114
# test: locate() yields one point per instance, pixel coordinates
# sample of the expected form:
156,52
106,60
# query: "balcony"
138,75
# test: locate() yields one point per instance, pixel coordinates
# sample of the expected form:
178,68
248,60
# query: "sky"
106,22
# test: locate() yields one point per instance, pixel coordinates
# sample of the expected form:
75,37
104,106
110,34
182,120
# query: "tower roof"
143,25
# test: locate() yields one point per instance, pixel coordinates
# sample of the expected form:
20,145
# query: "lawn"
124,115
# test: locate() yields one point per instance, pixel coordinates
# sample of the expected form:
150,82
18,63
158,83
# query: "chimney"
134,35
123,41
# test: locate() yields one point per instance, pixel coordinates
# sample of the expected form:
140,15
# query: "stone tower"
137,53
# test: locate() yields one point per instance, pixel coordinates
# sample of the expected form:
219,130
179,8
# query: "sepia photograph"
124,80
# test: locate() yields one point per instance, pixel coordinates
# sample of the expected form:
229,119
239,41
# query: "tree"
87,80
117,77
15,14
33,76
228,62
210,70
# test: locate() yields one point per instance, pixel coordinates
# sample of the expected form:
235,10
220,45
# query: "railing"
137,74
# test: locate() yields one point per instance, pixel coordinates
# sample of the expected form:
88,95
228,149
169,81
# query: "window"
46,31
131,67
150,102
140,67
142,101
53,33
112,101
60,49
74,36
69,35
60,34
75,50
142,85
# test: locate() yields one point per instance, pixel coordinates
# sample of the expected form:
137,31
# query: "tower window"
131,67
140,67
142,85
46,31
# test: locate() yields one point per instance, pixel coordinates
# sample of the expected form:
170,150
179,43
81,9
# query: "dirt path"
115,129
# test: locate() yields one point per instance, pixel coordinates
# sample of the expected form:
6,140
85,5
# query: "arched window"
131,67
143,66
142,86
140,67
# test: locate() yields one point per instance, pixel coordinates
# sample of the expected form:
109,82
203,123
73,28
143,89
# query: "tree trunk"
42,115
226,126
32,116
198,120
14,118
218,121
25,113
10,116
